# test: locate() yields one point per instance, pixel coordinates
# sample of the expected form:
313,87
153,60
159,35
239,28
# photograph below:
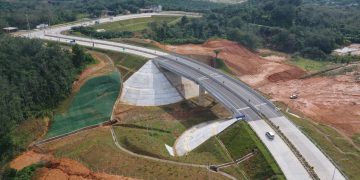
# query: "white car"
270,135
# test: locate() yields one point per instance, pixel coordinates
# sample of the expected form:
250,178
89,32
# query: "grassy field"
240,140
220,64
141,126
29,131
138,42
146,130
338,147
91,105
308,64
136,25
127,64
96,150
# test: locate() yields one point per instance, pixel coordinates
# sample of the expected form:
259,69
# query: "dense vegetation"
25,174
13,13
34,78
286,25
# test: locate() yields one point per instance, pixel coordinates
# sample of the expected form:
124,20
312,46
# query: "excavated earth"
59,169
332,100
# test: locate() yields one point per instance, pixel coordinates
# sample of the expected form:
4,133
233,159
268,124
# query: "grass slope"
135,25
127,64
240,140
91,105
339,148
146,130
96,150
308,64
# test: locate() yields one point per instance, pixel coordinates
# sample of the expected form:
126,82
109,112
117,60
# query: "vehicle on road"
240,117
293,96
72,42
270,135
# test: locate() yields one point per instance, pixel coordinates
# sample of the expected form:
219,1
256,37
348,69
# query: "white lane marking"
203,78
260,104
243,108
249,107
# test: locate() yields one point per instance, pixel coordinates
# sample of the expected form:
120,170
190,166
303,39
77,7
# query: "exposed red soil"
103,65
286,75
59,169
26,159
331,100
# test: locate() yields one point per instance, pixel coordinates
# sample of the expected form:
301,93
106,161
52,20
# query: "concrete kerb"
296,152
317,145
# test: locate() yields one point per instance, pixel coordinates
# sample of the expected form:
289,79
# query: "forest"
34,78
19,13
290,26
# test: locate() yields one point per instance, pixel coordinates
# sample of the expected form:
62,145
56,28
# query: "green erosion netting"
93,104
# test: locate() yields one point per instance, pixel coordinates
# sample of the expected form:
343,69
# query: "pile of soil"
286,75
332,100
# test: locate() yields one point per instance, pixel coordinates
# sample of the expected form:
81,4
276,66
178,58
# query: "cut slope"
91,105
149,87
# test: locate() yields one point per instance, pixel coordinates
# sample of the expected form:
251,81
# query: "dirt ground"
59,169
333,100
103,65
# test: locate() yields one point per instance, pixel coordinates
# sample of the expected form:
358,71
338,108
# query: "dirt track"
331,100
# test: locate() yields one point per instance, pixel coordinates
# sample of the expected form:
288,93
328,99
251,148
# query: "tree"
247,39
214,64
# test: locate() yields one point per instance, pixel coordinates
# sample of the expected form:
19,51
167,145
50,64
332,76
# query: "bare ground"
56,168
333,100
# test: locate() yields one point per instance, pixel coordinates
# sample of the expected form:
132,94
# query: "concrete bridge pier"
202,97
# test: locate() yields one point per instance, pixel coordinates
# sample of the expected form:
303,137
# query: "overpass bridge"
236,96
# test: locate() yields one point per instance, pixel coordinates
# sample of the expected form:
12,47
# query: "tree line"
19,13
34,78
290,26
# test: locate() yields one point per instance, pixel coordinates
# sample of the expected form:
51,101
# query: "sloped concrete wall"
149,87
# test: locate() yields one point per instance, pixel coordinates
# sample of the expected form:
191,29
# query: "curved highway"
233,94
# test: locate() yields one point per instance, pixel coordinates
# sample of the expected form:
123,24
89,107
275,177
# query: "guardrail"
318,146
242,84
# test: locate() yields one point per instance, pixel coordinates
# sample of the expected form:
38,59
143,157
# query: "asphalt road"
233,94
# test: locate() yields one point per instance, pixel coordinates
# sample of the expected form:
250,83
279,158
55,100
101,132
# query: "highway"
233,94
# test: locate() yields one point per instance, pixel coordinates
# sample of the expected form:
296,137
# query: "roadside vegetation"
341,149
311,31
163,125
13,13
127,64
139,27
141,126
240,140
96,150
35,77
92,105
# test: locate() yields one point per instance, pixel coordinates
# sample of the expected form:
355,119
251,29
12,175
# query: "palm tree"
216,51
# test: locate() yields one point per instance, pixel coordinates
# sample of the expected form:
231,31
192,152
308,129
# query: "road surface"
233,94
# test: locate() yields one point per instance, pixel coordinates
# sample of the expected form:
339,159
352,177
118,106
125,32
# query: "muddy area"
332,100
